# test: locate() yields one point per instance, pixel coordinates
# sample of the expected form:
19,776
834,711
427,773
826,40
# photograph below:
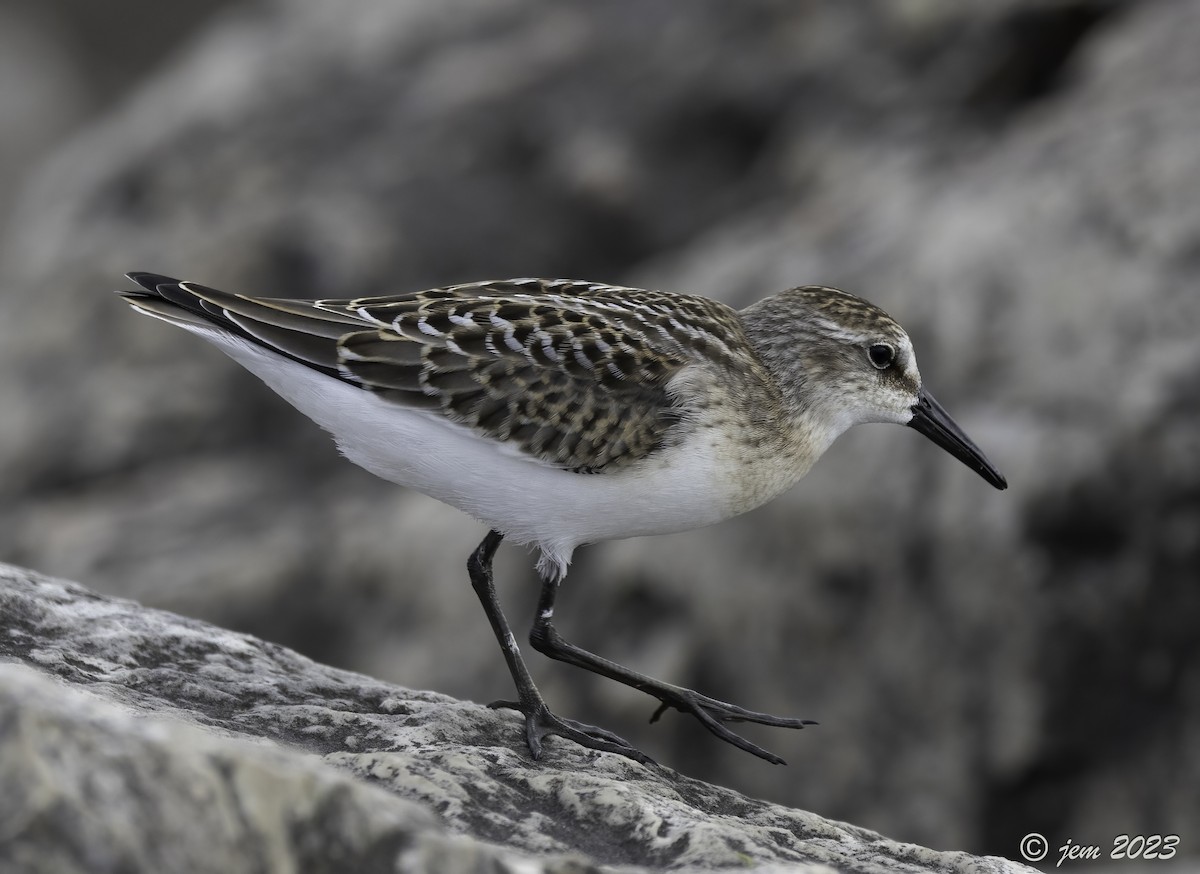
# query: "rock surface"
136,740
1016,181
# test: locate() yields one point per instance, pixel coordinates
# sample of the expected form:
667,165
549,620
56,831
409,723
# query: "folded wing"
572,373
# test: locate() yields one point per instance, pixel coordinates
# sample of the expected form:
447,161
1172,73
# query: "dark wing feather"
572,373
295,328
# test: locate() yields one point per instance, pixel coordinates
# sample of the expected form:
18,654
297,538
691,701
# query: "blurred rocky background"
1018,182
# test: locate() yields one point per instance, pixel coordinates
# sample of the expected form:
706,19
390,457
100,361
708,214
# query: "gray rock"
136,740
1015,181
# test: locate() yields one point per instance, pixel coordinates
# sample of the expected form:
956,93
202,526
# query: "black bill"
935,423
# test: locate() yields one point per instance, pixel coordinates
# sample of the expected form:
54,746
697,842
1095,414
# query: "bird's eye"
882,355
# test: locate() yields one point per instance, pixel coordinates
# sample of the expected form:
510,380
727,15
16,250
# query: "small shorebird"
560,413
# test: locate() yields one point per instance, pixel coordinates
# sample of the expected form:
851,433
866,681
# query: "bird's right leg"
711,713
539,721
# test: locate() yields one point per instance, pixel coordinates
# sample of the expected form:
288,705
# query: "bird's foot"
540,723
713,713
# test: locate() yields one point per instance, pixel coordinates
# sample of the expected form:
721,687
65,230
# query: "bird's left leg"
539,720
709,711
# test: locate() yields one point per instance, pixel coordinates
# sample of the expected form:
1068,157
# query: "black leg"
711,712
539,721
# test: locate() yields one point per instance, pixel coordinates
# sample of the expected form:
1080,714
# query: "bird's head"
844,361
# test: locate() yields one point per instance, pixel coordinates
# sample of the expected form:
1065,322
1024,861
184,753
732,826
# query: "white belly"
528,501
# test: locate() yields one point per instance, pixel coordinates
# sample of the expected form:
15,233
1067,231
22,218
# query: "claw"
533,737
540,723
711,713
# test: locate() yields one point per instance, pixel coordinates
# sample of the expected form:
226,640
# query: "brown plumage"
495,396
573,373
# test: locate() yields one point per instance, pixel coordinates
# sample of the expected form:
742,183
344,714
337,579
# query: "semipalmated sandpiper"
560,413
